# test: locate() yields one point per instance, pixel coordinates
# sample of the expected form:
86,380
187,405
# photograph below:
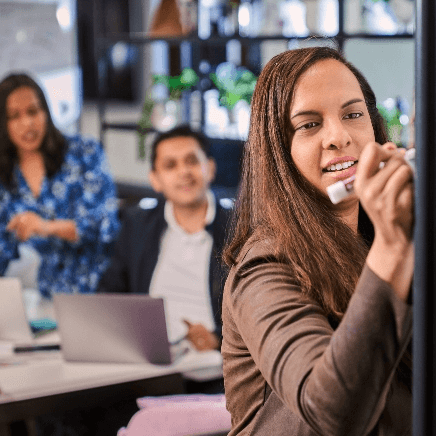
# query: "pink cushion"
179,415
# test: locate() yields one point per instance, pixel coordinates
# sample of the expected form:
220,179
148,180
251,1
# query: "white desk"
33,384
38,383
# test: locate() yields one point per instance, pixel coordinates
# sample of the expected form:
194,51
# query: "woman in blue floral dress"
56,193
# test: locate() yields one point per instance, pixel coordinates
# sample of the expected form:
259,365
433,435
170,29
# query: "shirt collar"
210,212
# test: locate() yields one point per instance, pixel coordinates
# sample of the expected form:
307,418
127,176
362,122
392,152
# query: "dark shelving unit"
198,48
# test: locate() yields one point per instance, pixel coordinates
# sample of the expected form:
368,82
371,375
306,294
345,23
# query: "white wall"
389,67
39,37
121,146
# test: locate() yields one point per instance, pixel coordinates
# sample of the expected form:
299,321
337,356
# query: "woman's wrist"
46,228
63,229
393,264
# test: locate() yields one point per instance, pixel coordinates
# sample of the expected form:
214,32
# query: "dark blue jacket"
137,250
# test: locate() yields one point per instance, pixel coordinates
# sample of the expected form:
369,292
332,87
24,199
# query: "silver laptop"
14,325
112,328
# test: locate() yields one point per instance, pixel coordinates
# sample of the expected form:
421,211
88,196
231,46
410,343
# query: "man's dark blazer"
137,249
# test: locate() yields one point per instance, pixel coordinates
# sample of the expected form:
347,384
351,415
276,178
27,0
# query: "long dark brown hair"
277,203
54,144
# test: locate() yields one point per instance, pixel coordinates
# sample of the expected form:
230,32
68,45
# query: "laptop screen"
14,325
112,328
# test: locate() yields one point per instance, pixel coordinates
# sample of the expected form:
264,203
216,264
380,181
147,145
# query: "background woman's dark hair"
275,202
182,130
54,144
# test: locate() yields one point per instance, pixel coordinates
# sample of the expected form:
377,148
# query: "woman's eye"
353,115
307,126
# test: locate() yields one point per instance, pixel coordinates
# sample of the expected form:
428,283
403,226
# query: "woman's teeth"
340,166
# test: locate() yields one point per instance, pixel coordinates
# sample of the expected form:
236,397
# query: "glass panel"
39,37
389,68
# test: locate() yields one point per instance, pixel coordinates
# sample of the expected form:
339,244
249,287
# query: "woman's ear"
154,181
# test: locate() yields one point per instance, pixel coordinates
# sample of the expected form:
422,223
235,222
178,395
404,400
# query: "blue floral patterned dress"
82,190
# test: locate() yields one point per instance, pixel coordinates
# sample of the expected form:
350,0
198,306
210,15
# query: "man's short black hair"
183,130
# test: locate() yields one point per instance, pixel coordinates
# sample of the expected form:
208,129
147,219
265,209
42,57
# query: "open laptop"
112,328
14,325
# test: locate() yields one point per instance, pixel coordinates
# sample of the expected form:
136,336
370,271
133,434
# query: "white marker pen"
342,189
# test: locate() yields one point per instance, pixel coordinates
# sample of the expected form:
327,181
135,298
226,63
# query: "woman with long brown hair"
316,313
57,194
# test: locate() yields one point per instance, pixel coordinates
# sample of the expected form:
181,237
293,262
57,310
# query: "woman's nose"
27,120
336,135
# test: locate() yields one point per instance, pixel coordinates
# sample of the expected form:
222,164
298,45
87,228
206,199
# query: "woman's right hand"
27,224
387,196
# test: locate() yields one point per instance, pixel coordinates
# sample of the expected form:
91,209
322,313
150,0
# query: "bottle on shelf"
404,11
250,17
217,18
292,18
378,18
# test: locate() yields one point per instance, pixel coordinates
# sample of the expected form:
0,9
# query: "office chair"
179,415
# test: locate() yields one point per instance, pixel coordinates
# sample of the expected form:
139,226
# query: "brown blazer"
288,372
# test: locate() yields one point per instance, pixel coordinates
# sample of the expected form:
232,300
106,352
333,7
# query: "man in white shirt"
171,247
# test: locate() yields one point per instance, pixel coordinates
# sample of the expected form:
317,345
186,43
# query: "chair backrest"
180,415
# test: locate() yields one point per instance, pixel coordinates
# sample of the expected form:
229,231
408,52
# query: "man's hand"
201,338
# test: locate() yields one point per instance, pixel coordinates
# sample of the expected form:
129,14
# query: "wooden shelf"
207,49
139,38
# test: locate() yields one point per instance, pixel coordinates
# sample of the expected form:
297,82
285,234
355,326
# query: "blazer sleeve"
335,380
116,277
218,271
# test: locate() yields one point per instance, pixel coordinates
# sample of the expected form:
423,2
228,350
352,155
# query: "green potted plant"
153,109
233,83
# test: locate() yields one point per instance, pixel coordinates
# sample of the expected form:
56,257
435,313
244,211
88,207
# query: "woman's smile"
341,168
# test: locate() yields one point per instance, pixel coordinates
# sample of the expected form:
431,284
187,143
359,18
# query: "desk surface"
39,374
38,383
41,382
